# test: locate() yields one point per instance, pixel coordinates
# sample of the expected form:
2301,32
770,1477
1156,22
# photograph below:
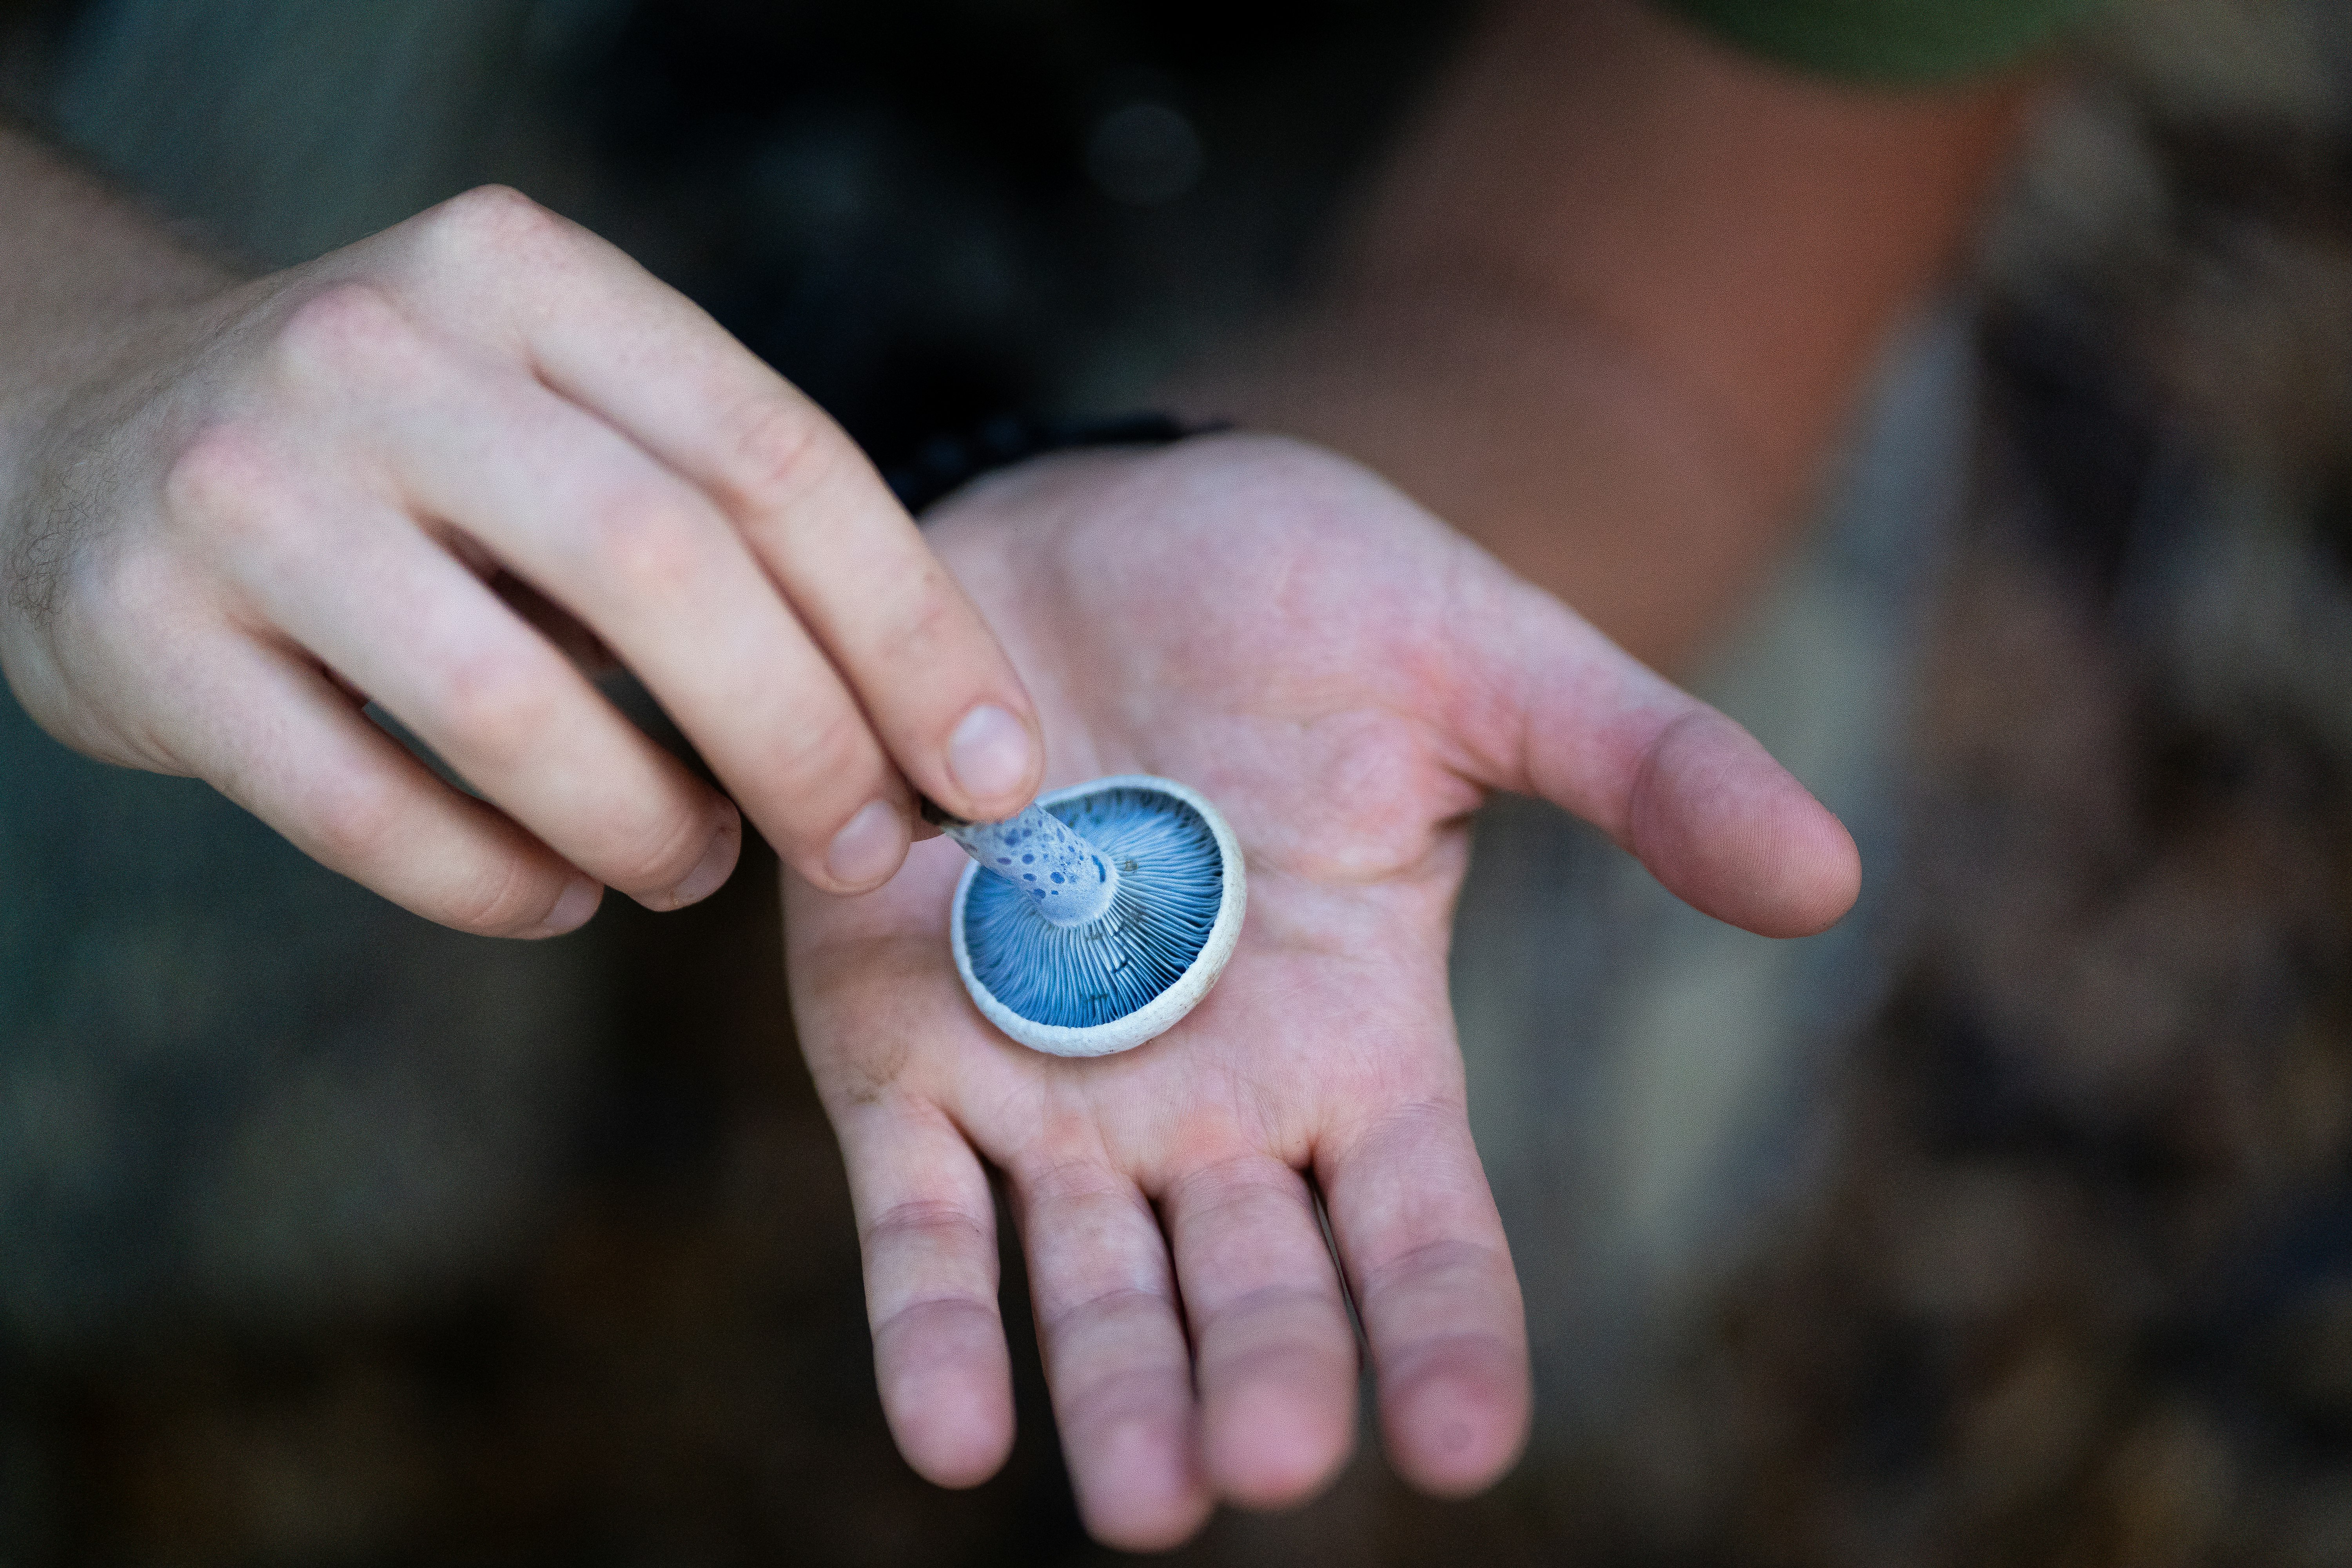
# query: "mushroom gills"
1154,877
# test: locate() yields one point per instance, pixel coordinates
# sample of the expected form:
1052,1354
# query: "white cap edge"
1163,1012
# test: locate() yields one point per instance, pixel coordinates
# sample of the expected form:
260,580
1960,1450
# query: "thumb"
1693,796
1730,832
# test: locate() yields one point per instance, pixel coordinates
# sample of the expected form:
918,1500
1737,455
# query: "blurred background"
2009,1223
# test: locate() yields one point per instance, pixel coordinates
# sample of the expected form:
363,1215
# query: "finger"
1274,1356
671,589
927,1226
275,735
1115,1355
570,506
1424,1251
599,329
1734,834
353,581
1548,706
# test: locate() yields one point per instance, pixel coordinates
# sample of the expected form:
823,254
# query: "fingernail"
717,863
572,910
989,753
869,847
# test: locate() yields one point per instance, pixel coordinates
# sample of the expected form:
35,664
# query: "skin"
420,470
1347,678
1605,312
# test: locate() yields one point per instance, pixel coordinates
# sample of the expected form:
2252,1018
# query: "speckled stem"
1070,882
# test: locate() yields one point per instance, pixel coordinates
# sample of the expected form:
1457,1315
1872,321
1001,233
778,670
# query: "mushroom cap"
1132,816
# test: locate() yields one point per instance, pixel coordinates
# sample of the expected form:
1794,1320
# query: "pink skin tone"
1346,678
423,469
421,466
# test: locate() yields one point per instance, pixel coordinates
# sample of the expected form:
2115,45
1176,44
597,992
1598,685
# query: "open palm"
1345,678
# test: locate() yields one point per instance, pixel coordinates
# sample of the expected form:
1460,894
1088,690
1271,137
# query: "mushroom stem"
1069,881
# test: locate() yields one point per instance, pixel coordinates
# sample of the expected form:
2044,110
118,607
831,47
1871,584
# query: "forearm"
1608,306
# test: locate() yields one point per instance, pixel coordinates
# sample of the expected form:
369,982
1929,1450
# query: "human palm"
1345,678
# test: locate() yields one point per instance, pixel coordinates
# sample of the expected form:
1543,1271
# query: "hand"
1345,678
381,474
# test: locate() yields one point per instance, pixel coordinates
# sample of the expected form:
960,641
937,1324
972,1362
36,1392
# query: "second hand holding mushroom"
420,469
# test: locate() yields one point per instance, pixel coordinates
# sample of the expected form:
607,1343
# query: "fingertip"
573,909
947,1392
962,1433
1139,1491
1271,1449
1732,833
1454,1430
996,761
1832,885
867,850
718,863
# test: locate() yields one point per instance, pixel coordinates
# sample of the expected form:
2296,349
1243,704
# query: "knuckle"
1111,1304
494,203
931,1224
647,541
224,491
1430,1265
776,449
829,754
931,621
494,700
489,215
355,822
218,473
1270,1309
342,329
493,226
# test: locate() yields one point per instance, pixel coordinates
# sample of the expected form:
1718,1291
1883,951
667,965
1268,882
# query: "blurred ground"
2009,1225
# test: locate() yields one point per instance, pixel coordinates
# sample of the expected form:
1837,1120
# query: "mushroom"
1107,912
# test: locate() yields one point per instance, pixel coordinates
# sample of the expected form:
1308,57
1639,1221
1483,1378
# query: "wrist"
947,462
88,281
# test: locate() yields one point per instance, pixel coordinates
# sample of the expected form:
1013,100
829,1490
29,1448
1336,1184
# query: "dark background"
329,1239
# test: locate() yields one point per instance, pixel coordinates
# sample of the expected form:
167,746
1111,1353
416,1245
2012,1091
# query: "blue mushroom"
1147,894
